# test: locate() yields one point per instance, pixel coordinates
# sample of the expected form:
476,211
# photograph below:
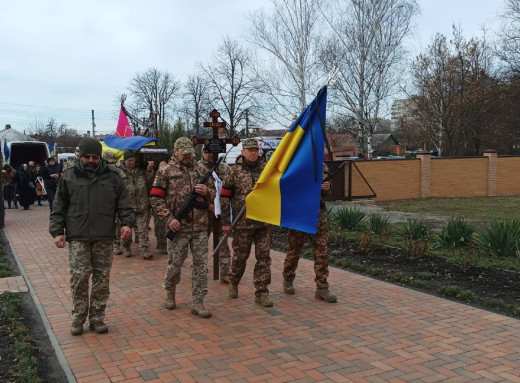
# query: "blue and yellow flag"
288,191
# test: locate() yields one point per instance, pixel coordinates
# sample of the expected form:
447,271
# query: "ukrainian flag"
288,191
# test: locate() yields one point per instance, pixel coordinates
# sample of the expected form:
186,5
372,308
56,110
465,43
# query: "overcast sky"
63,58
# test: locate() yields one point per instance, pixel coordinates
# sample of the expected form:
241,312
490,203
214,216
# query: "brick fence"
427,177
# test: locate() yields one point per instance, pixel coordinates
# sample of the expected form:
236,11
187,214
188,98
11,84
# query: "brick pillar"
492,156
425,158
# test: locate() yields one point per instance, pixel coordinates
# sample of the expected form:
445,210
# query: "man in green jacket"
89,196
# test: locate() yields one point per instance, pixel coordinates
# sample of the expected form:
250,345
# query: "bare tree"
233,85
153,91
453,81
290,35
509,37
197,104
367,48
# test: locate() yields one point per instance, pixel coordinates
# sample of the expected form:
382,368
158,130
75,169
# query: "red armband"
226,192
157,192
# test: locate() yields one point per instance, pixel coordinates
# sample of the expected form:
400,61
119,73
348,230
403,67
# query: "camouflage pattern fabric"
176,181
69,164
242,241
137,182
197,242
142,219
159,228
241,179
88,258
296,240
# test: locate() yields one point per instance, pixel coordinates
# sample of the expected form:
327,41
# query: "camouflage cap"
249,143
184,146
109,157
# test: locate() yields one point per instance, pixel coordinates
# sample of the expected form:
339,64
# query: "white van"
267,146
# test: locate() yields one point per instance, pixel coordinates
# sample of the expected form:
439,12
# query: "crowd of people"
31,183
98,205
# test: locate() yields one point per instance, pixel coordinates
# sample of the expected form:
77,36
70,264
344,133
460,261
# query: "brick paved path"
377,332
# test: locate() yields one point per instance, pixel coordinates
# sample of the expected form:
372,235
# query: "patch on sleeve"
157,192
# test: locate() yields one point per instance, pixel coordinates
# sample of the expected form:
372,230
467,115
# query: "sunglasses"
92,156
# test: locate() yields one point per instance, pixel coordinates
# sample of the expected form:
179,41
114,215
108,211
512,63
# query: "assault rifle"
191,202
243,210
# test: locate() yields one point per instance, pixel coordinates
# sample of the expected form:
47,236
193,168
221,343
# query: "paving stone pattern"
377,332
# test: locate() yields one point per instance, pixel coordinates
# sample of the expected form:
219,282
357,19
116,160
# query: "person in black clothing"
26,187
51,174
11,188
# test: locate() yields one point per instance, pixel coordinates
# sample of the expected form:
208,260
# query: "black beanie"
129,154
89,145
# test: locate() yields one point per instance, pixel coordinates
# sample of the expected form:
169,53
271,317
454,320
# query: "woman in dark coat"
26,187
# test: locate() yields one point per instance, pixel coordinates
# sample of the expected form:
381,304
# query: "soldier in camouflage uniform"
297,239
110,158
89,196
138,182
224,254
238,183
171,188
72,162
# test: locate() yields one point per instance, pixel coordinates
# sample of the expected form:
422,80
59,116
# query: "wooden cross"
215,145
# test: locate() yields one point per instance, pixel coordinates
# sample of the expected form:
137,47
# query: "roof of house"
384,139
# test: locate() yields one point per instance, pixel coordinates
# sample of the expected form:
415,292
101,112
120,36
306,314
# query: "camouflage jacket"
69,164
138,182
8,174
238,183
171,188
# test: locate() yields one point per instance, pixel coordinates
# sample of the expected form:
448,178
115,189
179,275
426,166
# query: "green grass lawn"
478,210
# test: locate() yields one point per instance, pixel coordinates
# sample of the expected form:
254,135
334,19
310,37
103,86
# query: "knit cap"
89,145
129,154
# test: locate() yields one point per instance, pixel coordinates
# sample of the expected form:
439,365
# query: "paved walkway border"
48,329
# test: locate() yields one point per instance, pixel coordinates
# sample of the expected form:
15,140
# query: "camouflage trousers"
159,228
142,220
86,259
117,241
223,253
296,240
242,242
197,242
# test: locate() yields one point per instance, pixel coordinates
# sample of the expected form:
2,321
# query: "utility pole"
93,125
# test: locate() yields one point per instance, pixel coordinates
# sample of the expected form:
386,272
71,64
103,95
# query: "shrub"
416,236
456,233
350,218
379,225
500,238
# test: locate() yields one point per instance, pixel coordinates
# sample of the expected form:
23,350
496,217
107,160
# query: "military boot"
147,255
288,287
326,295
224,278
117,250
199,309
99,327
127,252
233,290
264,300
169,303
76,328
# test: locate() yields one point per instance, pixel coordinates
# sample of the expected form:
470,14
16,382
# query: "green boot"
288,287
169,303
233,290
264,300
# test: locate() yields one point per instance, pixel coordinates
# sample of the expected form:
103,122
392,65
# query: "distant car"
393,157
